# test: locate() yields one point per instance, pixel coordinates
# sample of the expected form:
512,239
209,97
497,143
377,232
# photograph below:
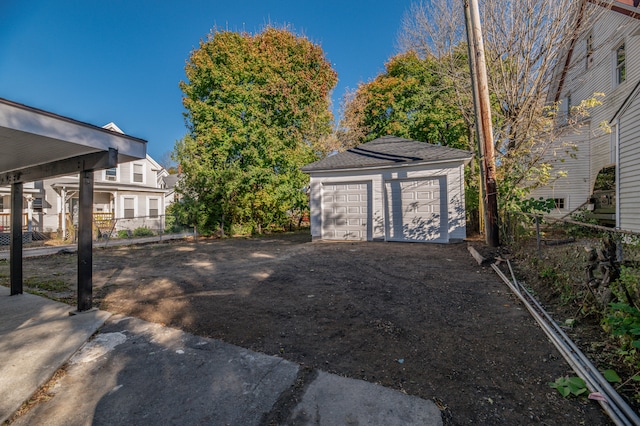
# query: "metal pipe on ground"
602,381
614,406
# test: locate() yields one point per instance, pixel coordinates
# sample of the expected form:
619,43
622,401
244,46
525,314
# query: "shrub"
142,232
123,233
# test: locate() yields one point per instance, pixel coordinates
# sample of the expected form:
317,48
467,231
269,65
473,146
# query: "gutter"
464,160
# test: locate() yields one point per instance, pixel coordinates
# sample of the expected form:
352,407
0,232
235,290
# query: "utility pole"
483,119
471,53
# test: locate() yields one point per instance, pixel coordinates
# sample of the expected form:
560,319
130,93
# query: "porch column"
15,253
63,212
85,241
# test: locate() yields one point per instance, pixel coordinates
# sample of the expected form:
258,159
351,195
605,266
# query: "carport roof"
31,139
388,151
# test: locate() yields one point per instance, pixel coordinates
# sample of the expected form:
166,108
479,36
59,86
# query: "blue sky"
121,60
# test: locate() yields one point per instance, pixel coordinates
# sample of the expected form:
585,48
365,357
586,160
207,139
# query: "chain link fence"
50,226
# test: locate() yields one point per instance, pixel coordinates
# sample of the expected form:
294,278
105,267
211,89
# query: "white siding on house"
574,188
629,173
379,224
610,30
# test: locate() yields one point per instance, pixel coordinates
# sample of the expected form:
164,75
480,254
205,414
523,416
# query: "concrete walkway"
135,372
47,250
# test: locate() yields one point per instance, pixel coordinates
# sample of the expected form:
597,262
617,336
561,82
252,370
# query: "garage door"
345,208
414,210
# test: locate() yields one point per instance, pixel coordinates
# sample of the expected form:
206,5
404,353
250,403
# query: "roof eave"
464,160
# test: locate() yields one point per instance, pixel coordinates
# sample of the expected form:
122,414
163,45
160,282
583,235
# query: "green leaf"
577,381
564,391
611,376
636,344
636,378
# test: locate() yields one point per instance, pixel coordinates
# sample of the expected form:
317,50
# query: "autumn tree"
257,109
407,100
525,43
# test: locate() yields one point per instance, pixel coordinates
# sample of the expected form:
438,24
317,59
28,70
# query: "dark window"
153,207
621,67
559,202
37,204
589,52
111,174
129,208
137,173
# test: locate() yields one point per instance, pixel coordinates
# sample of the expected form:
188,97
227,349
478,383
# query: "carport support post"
85,244
15,268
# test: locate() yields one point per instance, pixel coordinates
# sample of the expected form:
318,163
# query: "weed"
569,386
51,284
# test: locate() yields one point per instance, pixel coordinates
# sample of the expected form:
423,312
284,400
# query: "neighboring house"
128,196
169,183
605,58
389,189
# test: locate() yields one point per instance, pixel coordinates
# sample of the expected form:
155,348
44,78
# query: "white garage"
389,189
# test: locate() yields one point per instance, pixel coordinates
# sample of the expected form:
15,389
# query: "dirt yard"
424,319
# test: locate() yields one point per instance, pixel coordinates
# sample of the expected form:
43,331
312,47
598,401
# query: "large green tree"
409,99
257,109
420,98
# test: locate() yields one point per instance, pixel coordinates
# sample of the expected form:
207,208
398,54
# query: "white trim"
617,46
453,162
148,213
135,205
117,179
132,172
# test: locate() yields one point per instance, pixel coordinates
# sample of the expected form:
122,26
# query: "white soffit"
31,137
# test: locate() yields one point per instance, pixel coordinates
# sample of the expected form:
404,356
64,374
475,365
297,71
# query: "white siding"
608,32
629,173
574,188
455,225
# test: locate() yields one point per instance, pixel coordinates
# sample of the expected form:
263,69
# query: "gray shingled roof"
388,151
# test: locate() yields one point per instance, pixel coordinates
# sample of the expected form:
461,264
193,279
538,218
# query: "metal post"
85,243
538,236
484,107
15,253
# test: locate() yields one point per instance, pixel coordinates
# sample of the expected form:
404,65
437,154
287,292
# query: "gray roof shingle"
388,151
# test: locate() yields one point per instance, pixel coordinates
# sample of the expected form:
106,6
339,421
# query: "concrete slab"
37,336
135,372
333,400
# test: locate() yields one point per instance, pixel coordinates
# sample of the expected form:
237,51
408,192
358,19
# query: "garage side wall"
452,173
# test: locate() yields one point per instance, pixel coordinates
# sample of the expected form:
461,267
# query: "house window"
129,207
111,174
138,173
1,203
37,204
153,207
559,202
589,50
621,65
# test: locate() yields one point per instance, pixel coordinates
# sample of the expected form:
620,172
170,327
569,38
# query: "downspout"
617,157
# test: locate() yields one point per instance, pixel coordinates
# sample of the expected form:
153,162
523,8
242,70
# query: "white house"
389,189
605,58
128,196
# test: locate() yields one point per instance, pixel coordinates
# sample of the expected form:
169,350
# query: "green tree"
409,99
257,109
416,98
